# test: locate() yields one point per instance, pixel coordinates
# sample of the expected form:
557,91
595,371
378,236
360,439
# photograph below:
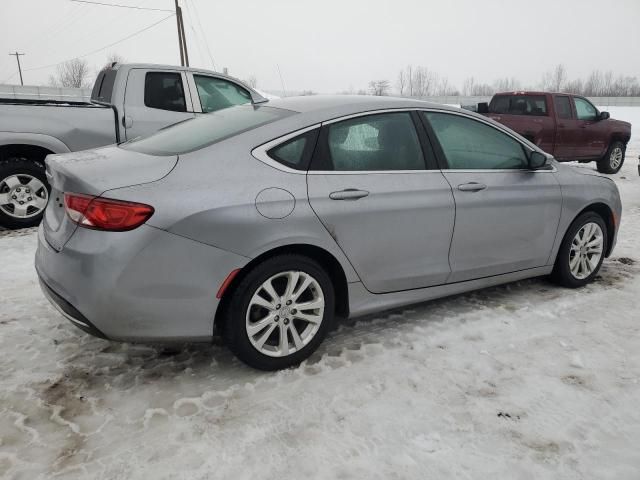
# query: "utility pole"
182,39
18,55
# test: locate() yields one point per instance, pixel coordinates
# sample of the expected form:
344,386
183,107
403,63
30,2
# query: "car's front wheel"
582,251
279,312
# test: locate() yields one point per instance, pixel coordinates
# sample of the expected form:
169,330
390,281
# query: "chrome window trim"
260,152
187,93
195,98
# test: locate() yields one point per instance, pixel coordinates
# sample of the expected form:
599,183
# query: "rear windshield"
519,105
103,88
206,129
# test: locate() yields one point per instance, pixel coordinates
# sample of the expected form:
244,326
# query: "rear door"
506,215
567,132
155,99
390,211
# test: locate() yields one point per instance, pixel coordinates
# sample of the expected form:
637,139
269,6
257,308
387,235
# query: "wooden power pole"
18,55
182,39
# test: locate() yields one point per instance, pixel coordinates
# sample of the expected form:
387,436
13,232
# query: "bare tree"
73,73
379,87
402,82
506,84
555,80
114,58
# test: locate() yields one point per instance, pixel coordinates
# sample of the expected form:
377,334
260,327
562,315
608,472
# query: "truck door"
592,132
567,135
155,99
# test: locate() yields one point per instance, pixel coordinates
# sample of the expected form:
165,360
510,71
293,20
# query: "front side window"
164,90
471,145
386,141
584,109
519,105
204,130
563,107
216,93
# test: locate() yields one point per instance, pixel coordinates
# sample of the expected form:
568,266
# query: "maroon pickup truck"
567,126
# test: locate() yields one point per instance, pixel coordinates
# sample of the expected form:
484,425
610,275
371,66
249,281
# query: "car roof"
357,103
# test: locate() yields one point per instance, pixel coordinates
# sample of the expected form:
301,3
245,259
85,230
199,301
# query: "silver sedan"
269,221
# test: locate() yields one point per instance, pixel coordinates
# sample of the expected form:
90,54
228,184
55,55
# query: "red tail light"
104,213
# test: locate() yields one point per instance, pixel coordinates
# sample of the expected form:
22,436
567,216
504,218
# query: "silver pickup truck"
127,101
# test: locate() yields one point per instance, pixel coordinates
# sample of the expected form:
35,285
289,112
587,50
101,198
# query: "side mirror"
483,107
537,160
604,115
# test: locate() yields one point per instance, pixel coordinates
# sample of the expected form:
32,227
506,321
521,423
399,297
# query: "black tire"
21,166
561,270
234,330
609,163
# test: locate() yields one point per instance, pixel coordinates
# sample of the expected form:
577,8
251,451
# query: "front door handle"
471,187
348,194
127,121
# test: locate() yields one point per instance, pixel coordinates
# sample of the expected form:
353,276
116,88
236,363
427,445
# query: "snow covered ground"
523,381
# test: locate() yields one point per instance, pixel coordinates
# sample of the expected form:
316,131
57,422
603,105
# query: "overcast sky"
332,45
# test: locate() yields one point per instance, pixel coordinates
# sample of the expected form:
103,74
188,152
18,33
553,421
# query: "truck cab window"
584,109
217,93
563,107
164,90
519,105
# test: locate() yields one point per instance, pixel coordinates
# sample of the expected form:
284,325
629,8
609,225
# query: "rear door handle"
471,187
348,194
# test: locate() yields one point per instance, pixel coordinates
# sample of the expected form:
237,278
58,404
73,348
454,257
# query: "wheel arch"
32,152
326,259
606,213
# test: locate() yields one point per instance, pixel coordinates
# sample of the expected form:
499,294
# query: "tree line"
419,81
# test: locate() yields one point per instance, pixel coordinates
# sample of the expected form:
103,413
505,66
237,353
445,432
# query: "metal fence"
17,92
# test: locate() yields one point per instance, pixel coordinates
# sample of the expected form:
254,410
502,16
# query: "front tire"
582,251
24,192
279,312
612,161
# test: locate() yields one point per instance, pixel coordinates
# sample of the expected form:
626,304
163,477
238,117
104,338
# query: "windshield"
204,130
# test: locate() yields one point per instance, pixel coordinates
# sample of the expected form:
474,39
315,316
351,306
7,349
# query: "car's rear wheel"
612,161
24,192
582,251
279,312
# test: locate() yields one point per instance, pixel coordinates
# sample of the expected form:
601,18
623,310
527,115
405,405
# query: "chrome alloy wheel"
285,313
615,159
586,250
23,196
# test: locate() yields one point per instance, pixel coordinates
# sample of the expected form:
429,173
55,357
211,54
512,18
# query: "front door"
593,132
154,100
506,215
392,216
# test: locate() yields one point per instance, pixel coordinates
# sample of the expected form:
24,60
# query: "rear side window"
164,90
103,88
296,152
216,93
386,141
519,105
204,130
563,107
470,145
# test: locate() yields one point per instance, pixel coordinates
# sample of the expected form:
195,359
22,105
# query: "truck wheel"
24,192
613,159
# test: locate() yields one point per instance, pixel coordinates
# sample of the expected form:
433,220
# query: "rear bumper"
141,285
70,312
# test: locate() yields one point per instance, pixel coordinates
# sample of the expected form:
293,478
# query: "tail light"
105,213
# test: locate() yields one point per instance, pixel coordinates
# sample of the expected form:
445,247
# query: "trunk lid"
93,172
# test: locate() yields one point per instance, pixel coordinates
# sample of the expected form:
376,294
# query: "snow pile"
526,381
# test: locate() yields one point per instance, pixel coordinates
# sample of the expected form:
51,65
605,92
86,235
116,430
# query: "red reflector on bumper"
227,282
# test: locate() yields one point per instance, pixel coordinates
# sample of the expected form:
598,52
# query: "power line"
122,6
102,48
204,36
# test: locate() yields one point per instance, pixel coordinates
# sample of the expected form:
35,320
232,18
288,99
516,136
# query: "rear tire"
18,173
612,161
585,240
272,331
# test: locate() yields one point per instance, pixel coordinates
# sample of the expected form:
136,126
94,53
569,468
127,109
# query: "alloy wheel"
285,313
615,159
586,250
23,196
